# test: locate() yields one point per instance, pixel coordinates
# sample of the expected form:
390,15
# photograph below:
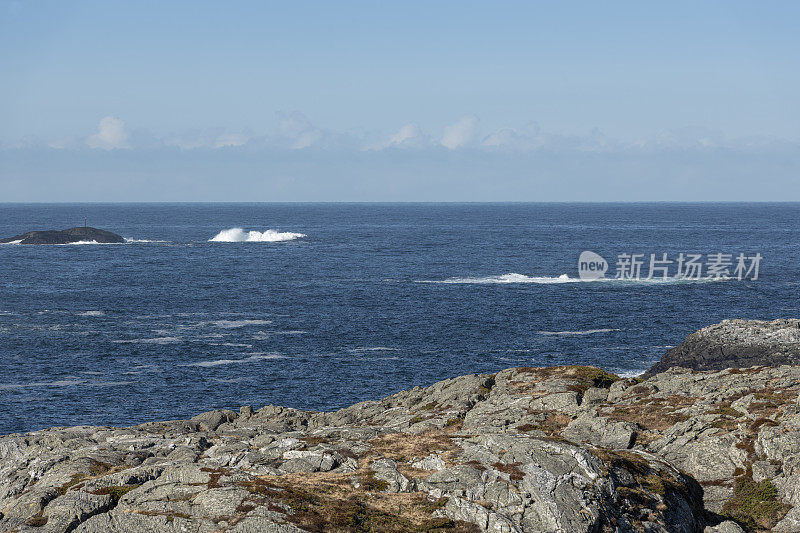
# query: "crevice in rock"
81,519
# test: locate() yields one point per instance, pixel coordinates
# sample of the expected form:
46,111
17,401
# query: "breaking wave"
240,235
157,340
253,358
232,324
578,332
513,277
629,373
63,383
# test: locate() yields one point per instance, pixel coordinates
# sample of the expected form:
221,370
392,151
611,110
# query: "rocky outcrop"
67,236
565,449
736,344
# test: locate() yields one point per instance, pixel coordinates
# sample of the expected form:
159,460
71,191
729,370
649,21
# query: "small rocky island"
67,236
561,449
736,344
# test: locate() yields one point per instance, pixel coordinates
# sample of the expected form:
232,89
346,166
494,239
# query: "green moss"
371,484
416,419
117,492
755,505
436,505
725,410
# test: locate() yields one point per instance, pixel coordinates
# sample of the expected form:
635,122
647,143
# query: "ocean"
319,306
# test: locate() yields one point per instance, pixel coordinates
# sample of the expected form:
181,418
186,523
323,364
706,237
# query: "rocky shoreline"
569,449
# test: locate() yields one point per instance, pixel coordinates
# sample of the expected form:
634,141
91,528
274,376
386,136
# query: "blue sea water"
374,298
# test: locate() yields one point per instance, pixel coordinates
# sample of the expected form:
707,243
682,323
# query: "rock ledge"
567,449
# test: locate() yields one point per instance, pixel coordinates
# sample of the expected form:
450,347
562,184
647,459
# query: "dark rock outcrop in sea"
67,236
561,449
736,344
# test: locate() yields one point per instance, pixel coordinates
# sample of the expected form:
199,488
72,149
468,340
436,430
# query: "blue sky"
406,101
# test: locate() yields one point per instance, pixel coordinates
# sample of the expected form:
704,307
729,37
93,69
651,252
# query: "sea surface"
319,306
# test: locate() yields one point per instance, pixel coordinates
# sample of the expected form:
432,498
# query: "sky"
404,101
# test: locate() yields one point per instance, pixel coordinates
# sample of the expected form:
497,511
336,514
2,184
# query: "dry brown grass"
579,378
512,469
552,423
95,470
655,414
323,502
404,447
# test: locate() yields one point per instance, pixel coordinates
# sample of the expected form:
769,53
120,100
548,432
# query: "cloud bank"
294,131
298,160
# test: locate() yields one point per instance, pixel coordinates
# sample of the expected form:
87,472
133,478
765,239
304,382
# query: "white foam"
157,340
578,332
58,383
232,344
513,277
629,373
253,358
141,241
13,242
373,349
92,313
63,383
230,324
240,235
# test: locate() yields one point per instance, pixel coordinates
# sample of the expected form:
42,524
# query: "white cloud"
405,135
528,137
231,139
460,133
65,143
111,134
409,136
299,130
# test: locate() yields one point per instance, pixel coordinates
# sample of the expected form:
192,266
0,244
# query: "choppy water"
320,306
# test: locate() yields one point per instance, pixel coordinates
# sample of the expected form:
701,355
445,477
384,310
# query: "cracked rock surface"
563,449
